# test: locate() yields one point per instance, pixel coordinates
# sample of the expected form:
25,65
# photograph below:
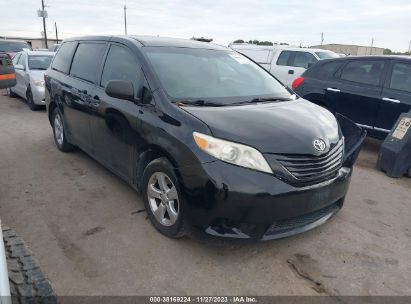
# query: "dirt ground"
79,220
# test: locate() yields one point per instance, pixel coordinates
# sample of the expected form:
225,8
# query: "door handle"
333,90
391,100
291,72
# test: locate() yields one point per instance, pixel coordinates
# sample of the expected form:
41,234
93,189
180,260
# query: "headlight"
38,83
231,152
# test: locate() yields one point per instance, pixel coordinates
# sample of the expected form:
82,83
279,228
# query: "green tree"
387,52
265,43
239,41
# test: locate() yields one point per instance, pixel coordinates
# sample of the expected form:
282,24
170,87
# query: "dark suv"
372,91
212,140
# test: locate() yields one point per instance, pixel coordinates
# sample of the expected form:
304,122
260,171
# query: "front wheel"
162,199
59,133
30,100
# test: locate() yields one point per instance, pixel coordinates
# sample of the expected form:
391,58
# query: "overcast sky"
293,21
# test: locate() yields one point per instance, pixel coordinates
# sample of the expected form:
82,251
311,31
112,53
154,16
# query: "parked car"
285,63
30,67
7,73
212,140
372,91
11,47
21,279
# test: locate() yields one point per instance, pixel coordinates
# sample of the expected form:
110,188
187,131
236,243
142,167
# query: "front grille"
283,227
309,168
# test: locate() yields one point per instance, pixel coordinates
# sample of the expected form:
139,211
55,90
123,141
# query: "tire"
59,135
172,224
11,93
30,101
28,284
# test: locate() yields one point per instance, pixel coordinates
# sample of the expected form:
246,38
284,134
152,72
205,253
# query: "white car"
30,67
285,63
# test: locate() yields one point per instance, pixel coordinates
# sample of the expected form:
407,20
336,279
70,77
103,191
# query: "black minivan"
372,90
214,143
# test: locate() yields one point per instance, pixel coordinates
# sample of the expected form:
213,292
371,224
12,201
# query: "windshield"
39,62
11,46
327,55
221,75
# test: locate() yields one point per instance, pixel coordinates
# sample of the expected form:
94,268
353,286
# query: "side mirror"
20,67
120,89
310,65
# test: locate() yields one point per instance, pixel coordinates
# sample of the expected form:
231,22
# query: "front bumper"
224,200
241,203
38,95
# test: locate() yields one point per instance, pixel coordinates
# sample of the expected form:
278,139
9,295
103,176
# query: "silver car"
30,67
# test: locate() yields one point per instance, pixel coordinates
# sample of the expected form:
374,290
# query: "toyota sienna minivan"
214,143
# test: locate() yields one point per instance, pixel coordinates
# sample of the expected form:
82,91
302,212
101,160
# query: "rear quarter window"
324,70
62,60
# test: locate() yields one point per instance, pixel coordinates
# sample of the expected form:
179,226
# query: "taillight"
297,82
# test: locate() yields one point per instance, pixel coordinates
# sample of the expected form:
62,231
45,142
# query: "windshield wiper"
198,102
262,100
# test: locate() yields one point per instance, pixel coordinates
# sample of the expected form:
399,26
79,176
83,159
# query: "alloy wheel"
163,198
58,129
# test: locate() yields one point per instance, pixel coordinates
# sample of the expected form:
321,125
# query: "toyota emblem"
319,145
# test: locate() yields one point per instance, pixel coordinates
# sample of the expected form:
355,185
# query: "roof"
156,41
176,42
368,57
39,53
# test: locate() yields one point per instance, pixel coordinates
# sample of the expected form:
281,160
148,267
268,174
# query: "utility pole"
125,20
372,44
409,49
44,23
57,35
322,38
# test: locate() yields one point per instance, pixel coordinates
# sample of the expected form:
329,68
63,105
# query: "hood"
284,127
37,74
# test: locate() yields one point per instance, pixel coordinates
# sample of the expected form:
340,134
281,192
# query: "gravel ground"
79,220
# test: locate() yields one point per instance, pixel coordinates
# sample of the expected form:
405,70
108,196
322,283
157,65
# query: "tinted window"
13,46
223,76
120,64
87,60
39,62
283,58
324,70
304,59
401,77
62,60
367,72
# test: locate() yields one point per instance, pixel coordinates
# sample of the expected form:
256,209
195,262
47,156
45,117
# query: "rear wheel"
162,198
59,133
30,100
11,93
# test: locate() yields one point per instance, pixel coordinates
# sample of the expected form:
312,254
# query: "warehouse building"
354,50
